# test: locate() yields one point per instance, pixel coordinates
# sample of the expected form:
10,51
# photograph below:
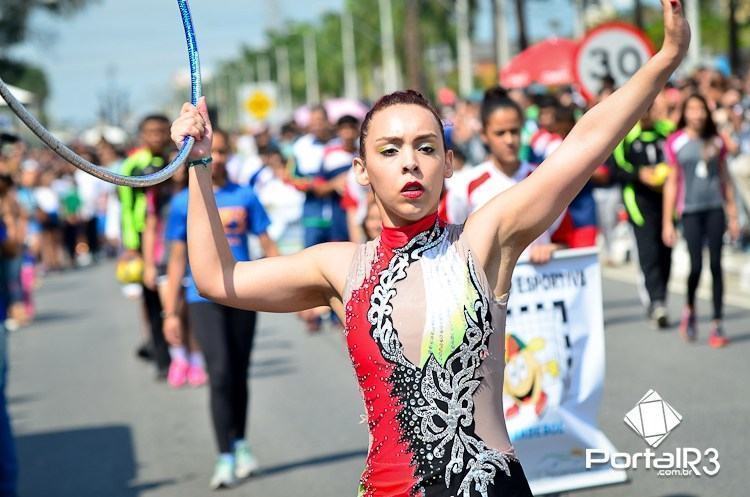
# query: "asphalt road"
90,420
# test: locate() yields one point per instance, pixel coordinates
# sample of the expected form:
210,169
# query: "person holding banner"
502,124
424,326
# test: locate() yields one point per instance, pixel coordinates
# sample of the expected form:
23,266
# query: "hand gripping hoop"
98,171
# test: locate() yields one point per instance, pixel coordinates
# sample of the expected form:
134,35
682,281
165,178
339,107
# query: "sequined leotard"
425,335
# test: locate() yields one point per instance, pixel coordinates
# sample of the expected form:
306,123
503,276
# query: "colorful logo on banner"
536,369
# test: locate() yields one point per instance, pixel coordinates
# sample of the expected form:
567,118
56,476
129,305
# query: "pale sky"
144,42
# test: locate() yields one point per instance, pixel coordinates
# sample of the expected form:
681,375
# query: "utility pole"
463,48
502,50
579,25
233,83
311,69
248,72
390,71
283,76
351,87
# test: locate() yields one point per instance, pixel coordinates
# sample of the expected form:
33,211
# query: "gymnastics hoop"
98,171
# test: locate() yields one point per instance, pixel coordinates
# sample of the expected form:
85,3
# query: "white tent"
23,96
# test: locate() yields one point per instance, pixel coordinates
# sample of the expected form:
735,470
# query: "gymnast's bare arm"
314,277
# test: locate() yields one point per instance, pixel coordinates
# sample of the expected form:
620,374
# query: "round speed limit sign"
614,49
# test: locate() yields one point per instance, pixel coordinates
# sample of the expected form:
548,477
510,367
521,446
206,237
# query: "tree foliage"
714,26
437,28
15,14
14,19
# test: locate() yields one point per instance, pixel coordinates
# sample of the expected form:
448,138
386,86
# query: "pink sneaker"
688,328
196,376
178,373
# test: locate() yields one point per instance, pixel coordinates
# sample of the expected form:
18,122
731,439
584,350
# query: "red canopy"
549,62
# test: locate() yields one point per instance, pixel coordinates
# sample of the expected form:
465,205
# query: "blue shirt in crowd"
3,277
241,214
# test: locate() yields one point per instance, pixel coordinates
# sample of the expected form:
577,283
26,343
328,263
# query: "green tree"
437,32
25,76
714,26
14,17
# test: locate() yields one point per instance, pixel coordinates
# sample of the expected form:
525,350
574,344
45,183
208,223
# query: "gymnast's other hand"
676,30
194,121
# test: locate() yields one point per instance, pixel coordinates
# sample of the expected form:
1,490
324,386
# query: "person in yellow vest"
151,156
642,171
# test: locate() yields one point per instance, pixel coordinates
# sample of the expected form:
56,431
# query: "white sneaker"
659,316
223,475
245,463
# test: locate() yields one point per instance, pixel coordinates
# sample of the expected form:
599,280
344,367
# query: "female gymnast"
423,324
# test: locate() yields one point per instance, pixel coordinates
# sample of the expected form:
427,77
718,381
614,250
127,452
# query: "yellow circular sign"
258,104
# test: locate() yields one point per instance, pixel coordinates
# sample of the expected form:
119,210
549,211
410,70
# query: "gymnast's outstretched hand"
194,121
676,30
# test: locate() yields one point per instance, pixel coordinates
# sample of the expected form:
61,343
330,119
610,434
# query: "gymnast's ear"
360,171
448,172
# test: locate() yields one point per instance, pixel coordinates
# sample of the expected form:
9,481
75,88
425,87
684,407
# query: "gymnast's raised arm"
311,278
519,215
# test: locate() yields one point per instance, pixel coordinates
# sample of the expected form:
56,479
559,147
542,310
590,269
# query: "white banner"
554,349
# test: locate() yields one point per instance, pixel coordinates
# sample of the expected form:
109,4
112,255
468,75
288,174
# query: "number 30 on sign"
614,49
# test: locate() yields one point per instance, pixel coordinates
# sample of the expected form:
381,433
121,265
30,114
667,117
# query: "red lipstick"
412,190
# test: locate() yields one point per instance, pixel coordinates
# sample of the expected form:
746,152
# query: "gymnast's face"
404,162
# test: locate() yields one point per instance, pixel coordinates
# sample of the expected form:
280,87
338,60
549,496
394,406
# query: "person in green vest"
642,171
152,155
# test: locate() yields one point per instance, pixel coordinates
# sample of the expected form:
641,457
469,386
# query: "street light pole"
692,11
413,43
523,39
638,14
734,40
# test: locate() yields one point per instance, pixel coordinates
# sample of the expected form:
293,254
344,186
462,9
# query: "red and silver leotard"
425,335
